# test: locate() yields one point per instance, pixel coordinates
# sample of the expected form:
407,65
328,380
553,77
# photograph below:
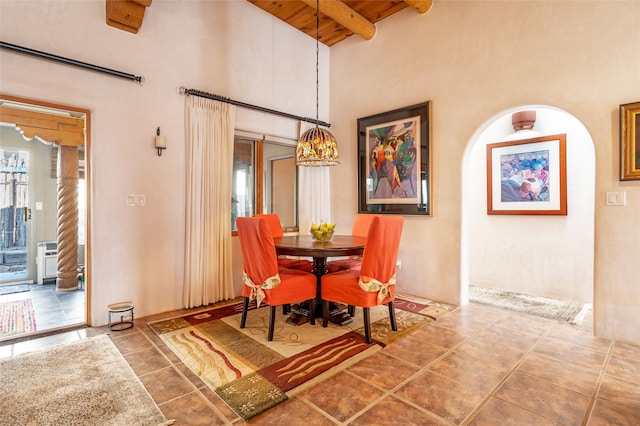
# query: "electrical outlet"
399,264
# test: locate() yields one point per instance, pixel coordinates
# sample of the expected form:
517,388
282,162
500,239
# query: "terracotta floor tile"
462,323
619,392
342,395
292,412
624,368
496,411
441,336
606,413
494,351
146,360
569,375
376,370
579,336
561,350
525,322
472,372
627,350
391,411
544,398
442,396
166,384
191,409
481,312
131,342
405,349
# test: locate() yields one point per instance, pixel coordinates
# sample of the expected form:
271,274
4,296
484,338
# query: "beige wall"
230,48
474,60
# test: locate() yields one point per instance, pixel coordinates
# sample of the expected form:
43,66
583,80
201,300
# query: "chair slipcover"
374,283
360,228
263,280
275,226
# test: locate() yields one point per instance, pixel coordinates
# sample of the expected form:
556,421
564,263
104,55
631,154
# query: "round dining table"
305,246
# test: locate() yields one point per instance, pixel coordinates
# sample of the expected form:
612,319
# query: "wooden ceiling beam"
345,16
126,15
421,6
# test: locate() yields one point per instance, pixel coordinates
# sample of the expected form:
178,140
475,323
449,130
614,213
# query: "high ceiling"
338,19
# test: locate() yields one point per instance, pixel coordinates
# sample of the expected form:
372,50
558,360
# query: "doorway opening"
541,255
43,217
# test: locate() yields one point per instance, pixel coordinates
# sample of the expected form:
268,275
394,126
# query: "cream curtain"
314,187
208,275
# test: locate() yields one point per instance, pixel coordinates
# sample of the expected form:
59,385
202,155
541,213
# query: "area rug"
557,310
13,288
252,374
82,383
17,317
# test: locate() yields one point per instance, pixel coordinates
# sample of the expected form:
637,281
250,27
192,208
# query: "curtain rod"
56,58
200,93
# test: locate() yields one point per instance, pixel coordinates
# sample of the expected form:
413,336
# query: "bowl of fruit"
322,232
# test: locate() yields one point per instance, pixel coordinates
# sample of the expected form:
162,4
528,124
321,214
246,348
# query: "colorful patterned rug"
252,374
17,317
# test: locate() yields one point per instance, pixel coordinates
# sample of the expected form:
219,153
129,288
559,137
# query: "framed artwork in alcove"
527,177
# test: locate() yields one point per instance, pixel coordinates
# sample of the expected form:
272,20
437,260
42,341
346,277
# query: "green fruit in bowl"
322,232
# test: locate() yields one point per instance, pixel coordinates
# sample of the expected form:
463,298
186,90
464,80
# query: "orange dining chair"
374,283
263,281
360,229
275,226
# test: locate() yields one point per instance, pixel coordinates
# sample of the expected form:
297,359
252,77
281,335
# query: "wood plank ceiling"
338,19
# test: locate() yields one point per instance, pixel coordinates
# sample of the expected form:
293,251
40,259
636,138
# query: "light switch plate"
616,198
135,200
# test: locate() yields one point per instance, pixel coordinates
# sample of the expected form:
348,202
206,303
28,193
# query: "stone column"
67,277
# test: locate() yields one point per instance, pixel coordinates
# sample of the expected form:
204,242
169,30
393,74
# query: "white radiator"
47,260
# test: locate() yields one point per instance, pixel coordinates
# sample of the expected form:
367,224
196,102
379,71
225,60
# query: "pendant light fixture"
316,146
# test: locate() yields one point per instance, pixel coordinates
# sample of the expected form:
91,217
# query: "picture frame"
527,177
394,162
630,141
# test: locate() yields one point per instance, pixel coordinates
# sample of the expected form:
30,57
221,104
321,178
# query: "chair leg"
272,322
312,311
245,307
286,309
325,313
367,325
392,317
351,310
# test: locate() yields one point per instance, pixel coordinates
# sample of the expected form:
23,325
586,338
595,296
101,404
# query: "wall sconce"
160,142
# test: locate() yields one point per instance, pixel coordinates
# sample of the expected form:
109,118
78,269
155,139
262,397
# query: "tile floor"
475,366
53,309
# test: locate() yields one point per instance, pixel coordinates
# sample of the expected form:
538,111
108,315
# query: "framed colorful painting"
394,175
630,141
527,177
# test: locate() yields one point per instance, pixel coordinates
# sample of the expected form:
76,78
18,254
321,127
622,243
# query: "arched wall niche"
551,256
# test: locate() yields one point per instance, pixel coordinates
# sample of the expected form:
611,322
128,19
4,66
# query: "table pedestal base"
300,314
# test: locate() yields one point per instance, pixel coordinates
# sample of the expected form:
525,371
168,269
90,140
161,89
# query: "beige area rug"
553,309
82,383
252,374
17,317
